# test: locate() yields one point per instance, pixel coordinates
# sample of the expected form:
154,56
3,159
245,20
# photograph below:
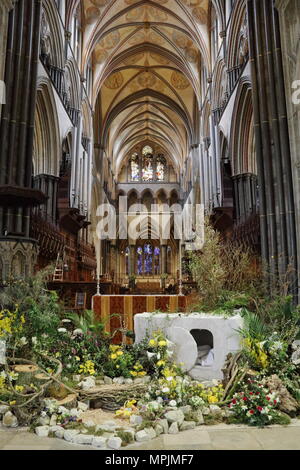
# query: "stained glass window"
140,261
148,250
135,167
156,261
161,168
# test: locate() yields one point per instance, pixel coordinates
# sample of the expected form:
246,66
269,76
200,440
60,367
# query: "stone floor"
220,437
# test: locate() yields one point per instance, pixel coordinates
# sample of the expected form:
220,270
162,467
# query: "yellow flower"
114,356
162,344
12,403
213,399
133,373
120,353
19,388
77,359
161,363
142,374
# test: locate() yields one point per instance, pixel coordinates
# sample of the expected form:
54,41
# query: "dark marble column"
17,196
276,196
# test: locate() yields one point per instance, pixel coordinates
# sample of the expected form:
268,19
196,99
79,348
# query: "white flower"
150,355
62,330
77,332
159,400
166,390
34,340
173,403
169,379
3,375
158,356
23,341
66,321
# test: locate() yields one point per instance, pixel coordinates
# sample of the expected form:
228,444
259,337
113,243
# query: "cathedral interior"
158,103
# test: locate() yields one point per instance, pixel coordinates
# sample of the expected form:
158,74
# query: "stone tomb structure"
201,341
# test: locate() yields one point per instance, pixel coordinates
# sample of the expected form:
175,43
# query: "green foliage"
86,322
225,273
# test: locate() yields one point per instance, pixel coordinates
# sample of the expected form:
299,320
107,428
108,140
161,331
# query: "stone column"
17,197
277,211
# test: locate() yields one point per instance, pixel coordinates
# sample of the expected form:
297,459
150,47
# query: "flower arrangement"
127,410
255,404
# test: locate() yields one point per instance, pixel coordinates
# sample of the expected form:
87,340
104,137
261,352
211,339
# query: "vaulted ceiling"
146,57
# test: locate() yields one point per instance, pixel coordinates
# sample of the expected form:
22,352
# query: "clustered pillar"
17,196
277,212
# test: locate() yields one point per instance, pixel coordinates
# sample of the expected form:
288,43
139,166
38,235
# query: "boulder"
88,383
185,409
151,432
119,381
59,433
287,403
114,443
164,424
42,431
136,420
142,436
99,442
82,406
9,420
198,416
128,381
175,416
108,381
215,410
187,425
83,439
173,429
53,420
89,424
3,409
159,430
44,421
70,434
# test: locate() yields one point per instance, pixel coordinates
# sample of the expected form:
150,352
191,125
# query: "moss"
126,437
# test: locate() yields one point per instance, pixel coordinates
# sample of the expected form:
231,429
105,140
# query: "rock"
99,442
287,403
142,436
296,356
82,406
77,378
173,429
89,424
88,383
215,410
59,433
42,431
119,381
128,381
3,409
70,434
44,421
9,420
159,430
146,379
175,416
83,439
106,428
164,424
187,425
139,381
227,413
53,420
198,416
114,443
136,420
206,411
108,381
185,409
99,382
151,432
55,428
